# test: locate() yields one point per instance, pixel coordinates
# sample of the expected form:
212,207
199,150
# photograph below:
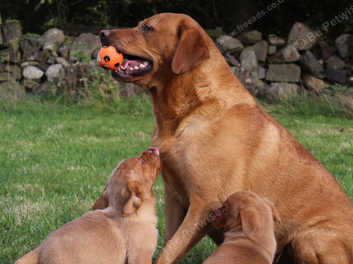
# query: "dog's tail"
30,258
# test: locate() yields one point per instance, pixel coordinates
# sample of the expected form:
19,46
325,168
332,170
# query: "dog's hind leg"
321,247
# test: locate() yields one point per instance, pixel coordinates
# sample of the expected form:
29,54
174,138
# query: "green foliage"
310,106
100,89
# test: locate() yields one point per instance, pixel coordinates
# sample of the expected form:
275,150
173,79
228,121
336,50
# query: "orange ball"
109,58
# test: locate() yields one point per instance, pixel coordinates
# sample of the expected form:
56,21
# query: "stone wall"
50,64
271,67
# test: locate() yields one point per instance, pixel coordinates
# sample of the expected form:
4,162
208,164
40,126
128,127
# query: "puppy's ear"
135,200
191,50
102,201
275,213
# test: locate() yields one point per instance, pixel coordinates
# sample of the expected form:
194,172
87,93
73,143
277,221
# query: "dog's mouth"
132,66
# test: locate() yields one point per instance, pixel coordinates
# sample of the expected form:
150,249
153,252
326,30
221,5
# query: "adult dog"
214,140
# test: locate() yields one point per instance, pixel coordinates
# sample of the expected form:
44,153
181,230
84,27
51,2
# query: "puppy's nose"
153,150
103,35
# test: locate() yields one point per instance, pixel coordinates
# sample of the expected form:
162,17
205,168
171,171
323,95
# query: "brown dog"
215,140
112,235
248,223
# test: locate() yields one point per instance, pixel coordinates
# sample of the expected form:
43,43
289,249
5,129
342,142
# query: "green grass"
56,157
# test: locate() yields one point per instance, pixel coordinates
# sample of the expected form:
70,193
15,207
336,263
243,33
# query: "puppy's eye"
146,28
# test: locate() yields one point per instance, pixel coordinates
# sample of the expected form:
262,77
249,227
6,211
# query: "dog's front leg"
188,234
174,213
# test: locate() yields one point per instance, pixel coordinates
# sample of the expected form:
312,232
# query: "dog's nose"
103,35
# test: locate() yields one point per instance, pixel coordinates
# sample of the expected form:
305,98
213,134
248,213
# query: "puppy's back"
93,238
238,252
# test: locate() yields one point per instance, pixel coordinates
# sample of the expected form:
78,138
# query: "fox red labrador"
215,140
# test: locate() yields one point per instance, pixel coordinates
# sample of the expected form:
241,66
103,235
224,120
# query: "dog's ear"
275,213
102,201
250,218
191,49
134,201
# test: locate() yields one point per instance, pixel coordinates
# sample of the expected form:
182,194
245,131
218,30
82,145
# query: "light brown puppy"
248,223
215,140
114,234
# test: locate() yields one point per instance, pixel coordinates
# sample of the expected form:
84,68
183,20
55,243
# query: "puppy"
113,233
248,223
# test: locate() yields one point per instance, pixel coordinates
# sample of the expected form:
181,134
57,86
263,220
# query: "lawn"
56,157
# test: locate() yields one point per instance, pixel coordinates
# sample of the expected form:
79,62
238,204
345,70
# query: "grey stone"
6,76
326,50
302,37
314,84
248,60
52,39
283,73
29,63
261,49
336,75
14,52
83,47
275,40
32,73
228,43
29,45
11,54
334,62
55,73
257,88
14,71
282,91
12,31
64,51
62,61
44,89
344,45
31,85
287,54
311,64
272,50
231,60
11,91
4,55
251,37
290,54
262,73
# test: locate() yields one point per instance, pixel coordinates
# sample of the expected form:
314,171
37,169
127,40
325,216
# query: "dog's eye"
146,28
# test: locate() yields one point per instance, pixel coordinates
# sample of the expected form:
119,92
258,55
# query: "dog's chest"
185,159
